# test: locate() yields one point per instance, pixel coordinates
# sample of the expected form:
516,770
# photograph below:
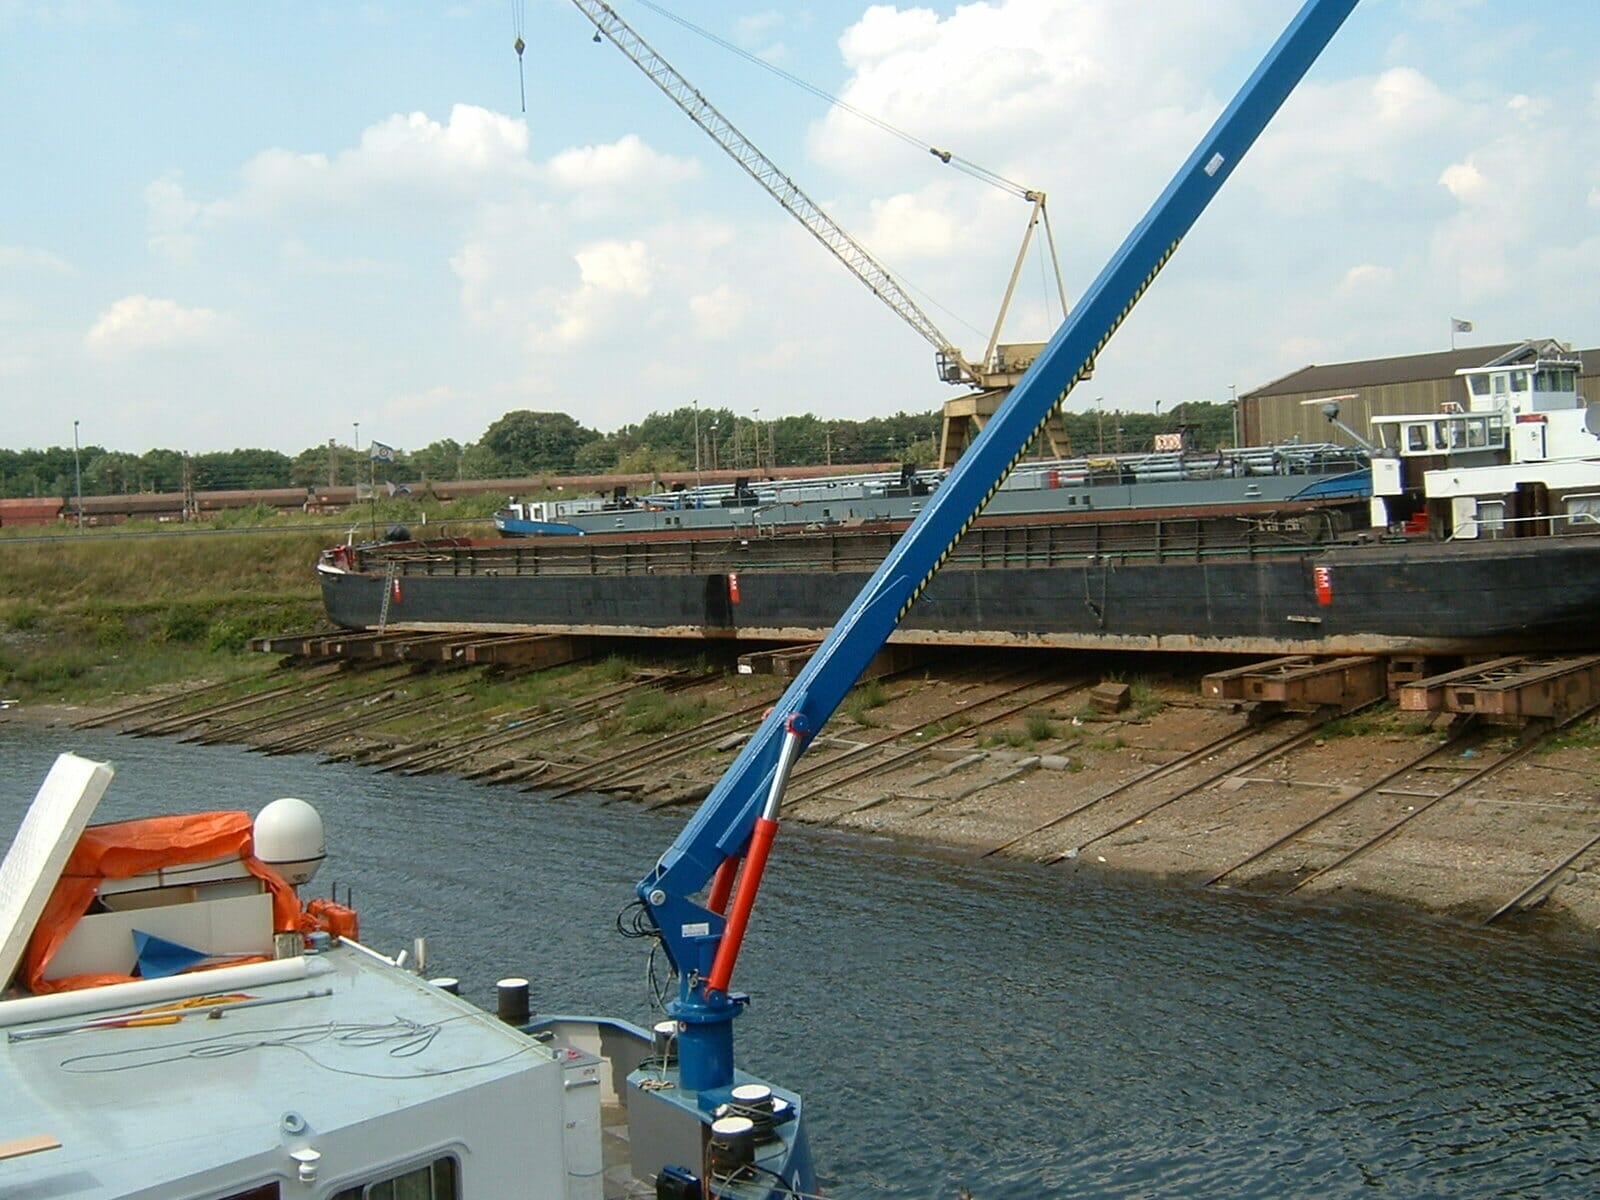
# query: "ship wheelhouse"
1521,457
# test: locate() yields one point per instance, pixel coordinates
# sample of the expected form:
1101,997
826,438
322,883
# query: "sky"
269,225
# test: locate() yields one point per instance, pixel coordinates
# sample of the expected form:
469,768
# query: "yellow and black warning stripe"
1022,449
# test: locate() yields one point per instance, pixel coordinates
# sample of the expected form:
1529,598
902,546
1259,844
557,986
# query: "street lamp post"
713,443
77,478
1233,390
1100,422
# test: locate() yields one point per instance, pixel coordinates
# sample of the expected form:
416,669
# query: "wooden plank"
537,650
33,1144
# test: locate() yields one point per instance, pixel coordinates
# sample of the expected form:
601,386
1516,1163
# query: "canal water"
1015,1030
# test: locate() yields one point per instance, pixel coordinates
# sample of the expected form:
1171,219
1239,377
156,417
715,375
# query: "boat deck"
303,1062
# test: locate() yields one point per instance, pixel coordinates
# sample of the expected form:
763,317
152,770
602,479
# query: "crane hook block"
943,156
519,45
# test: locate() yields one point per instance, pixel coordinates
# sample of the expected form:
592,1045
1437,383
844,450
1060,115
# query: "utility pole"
77,476
191,506
1233,390
1100,422
696,404
713,444
333,463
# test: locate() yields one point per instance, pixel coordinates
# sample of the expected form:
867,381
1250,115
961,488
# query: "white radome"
289,839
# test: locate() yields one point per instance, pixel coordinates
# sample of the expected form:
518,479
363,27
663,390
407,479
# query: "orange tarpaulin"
129,848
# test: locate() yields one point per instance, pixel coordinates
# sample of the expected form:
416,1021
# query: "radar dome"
289,839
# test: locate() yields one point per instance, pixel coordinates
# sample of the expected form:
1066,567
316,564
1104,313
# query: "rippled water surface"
1016,1030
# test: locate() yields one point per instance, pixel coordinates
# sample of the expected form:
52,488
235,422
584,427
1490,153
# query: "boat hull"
1508,596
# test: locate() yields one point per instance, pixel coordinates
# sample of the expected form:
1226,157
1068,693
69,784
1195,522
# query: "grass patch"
1379,719
1583,736
87,618
653,712
1143,700
1114,742
24,616
1040,727
945,725
1037,727
863,699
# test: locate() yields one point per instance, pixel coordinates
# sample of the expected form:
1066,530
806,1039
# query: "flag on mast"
378,452
1457,325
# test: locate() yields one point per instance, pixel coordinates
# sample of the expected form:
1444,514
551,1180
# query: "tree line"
526,443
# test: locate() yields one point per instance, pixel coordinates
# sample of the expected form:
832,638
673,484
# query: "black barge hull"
1176,587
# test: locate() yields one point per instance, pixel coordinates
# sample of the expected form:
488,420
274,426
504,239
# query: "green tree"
439,460
111,473
529,443
161,471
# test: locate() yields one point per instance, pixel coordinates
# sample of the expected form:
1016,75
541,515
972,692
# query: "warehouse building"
1415,383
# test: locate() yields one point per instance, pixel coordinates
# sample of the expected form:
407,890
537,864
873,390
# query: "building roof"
1410,368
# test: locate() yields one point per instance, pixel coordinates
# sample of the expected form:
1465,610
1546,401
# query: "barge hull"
1489,597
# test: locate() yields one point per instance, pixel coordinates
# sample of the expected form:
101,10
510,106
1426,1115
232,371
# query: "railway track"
1135,799
815,792
1402,799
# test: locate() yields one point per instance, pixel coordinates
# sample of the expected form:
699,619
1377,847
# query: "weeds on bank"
945,725
1037,727
1375,721
1115,742
1583,736
863,699
653,712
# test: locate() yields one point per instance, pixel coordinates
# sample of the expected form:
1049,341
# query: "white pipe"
153,991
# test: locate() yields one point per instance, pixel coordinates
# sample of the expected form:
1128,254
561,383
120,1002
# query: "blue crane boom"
737,821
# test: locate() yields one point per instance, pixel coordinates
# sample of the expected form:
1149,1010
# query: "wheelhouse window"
1416,437
434,1181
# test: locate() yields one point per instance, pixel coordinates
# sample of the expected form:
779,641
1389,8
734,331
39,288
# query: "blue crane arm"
692,931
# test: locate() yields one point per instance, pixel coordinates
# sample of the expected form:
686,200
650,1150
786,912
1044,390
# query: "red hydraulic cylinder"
722,884
755,862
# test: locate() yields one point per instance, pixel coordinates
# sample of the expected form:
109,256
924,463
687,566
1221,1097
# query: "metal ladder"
388,591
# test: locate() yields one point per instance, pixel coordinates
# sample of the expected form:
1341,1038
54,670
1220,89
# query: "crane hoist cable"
965,165
519,46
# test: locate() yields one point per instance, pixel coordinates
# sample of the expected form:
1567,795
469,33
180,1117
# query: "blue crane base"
705,1038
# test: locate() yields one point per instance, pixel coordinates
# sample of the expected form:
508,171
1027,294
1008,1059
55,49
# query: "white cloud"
30,258
625,163
1528,108
613,266
302,259
403,159
1465,182
1366,278
137,323
718,313
906,226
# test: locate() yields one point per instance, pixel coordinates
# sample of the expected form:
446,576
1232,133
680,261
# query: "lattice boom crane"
952,364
